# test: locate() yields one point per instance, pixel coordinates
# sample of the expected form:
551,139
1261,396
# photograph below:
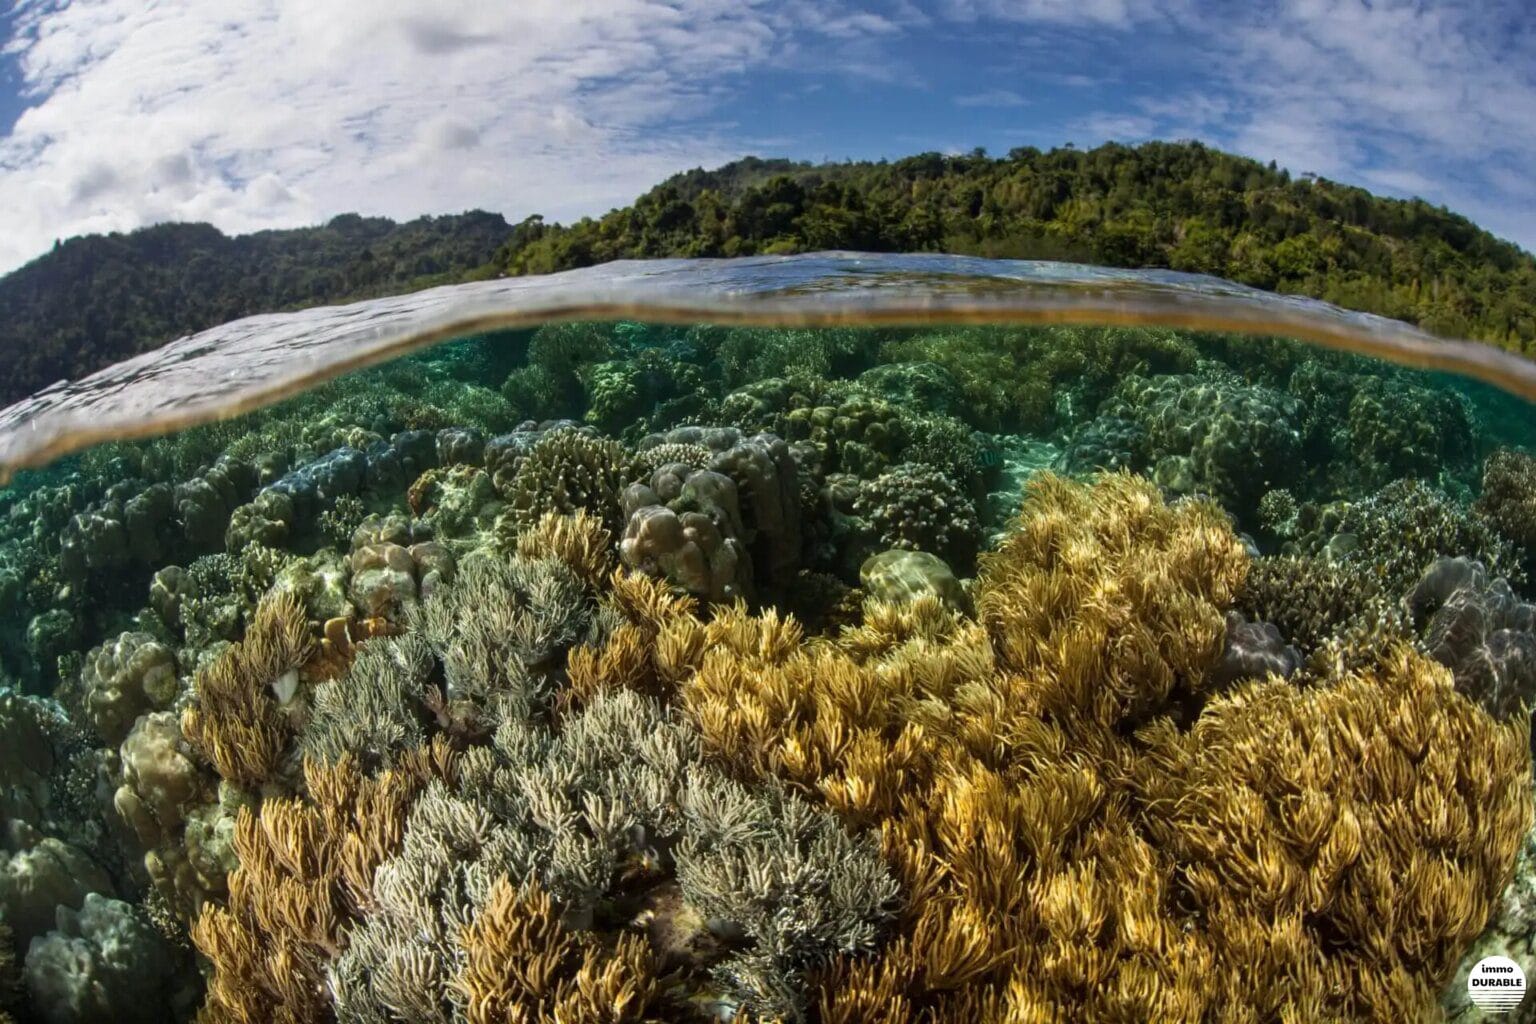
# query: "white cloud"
260,113
1437,100
1097,128
992,98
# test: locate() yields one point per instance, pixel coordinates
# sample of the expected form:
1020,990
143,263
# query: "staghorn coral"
235,721
500,628
561,812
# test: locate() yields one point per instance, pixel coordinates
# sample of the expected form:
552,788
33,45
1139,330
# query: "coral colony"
611,672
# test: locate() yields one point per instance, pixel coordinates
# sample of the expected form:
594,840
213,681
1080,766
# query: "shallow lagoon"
625,670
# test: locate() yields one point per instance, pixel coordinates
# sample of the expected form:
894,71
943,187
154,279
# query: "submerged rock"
900,576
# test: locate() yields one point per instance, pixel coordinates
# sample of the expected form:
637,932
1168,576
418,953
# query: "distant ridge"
97,299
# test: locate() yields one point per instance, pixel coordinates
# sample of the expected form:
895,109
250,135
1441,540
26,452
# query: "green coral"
1209,433
569,469
1508,501
918,508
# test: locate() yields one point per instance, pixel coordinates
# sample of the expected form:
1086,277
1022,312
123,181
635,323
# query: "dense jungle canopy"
97,299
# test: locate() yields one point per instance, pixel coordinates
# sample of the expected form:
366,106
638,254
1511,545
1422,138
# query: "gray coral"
1481,631
105,961
767,865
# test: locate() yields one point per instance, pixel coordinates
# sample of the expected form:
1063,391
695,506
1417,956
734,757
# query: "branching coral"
377,709
521,966
1329,611
918,508
1508,498
236,721
306,866
1054,786
785,875
1398,532
499,630
566,470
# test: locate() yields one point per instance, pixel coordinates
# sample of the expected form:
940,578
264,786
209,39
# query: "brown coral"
581,541
522,966
306,869
1084,828
236,722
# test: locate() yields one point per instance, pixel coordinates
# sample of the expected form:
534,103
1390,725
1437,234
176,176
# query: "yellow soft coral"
235,721
1083,828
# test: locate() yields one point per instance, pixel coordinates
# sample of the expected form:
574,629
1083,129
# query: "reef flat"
628,672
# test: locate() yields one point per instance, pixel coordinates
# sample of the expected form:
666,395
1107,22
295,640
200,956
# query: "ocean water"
830,638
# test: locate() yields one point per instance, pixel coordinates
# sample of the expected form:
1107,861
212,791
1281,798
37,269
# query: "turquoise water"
542,575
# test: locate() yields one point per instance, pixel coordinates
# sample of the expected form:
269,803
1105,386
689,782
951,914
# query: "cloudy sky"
273,113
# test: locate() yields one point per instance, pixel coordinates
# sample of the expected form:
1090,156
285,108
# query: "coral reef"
236,722
10,977
566,470
918,508
1481,631
1508,501
1396,533
125,678
1210,433
714,673
898,576
104,962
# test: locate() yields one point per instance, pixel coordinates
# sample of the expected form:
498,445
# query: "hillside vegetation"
98,299
95,300
1178,205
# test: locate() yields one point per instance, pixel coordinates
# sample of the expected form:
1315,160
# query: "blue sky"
273,113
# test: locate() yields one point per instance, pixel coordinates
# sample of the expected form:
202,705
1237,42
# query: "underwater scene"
924,672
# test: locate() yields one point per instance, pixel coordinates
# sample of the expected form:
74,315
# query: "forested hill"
98,299
1178,205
